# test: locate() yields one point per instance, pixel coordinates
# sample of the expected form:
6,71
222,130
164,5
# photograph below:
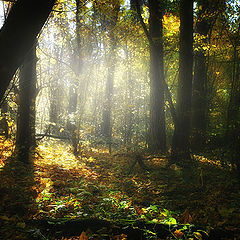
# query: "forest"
120,119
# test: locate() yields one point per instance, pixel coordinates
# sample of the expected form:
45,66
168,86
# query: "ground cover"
60,191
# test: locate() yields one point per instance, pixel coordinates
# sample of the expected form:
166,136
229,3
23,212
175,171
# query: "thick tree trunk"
18,35
180,145
157,138
233,120
199,102
27,95
234,101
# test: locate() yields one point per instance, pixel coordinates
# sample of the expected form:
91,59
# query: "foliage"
98,185
73,53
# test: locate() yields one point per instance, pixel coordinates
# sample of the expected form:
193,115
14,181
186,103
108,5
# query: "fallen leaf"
83,236
178,234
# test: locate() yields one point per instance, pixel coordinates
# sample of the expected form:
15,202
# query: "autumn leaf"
197,235
178,234
83,236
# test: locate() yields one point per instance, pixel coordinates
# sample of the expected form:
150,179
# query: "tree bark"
208,12
27,96
18,35
233,120
180,145
3,119
157,138
157,131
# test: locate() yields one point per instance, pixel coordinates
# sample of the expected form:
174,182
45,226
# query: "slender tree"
111,63
73,88
129,116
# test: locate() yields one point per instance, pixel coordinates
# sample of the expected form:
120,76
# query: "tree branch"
139,15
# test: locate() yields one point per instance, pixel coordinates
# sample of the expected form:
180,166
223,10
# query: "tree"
207,15
157,132
73,88
157,139
18,35
233,106
180,144
27,95
111,63
3,119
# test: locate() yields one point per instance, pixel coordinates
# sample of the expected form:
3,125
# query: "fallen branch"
51,136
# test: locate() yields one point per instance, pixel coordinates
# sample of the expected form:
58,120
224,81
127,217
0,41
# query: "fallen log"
134,230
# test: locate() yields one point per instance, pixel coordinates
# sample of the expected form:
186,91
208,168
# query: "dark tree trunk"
199,102
180,145
208,12
157,138
27,96
18,35
233,120
3,119
77,61
234,101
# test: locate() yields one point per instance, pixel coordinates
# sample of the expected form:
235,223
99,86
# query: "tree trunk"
234,101
107,110
208,12
199,103
157,138
111,61
27,96
77,61
3,119
233,121
18,35
180,145
129,116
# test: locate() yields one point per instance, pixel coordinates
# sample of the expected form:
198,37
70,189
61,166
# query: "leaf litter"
99,185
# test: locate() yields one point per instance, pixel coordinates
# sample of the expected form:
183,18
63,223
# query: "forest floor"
44,200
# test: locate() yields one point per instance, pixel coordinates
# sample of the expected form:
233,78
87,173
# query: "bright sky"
1,14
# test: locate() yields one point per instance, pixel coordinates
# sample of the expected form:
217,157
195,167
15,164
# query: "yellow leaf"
197,235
